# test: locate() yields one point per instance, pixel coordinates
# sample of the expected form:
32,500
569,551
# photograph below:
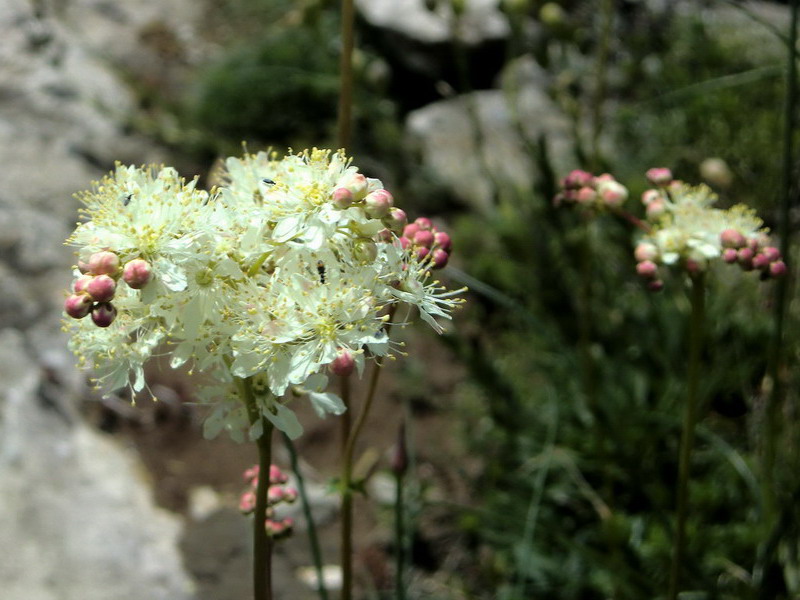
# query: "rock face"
76,516
476,143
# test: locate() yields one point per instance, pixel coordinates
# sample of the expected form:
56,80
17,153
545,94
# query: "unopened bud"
660,176
649,196
656,208
342,197
101,288
423,222
577,179
424,238
251,473
343,364
357,184
289,495
647,269
366,251
613,193
440,258
78,306
384,235
695,265
422,252
274,495
396,220
410,230
83,266
399,462
777,269
443,240
760,261
137,273
745,258
645,251
103,314
730,238
276,476
655,286
81,283
772,253
103,263
378,203
730,255
585,195
404,242
247,503
716,172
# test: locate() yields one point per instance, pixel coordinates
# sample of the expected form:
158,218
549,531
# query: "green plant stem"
346,540
313,539
772,421
344,120
697,294
601,68
399,538
262,543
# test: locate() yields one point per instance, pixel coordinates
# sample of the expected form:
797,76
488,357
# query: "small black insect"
268,181
321,271
126,199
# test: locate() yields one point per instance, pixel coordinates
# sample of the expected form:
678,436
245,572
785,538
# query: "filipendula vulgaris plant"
292,268
685,232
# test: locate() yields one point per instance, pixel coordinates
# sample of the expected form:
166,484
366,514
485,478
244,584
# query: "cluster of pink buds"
427,242
646,255
277,493
584,189
378,204
751,254
93,291
655,199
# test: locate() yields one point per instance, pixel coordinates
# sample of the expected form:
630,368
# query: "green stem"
346,73
346,541
399,537
313,540
773,423
688,430
601,68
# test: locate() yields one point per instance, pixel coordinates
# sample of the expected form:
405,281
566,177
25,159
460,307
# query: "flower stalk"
697,296
344,120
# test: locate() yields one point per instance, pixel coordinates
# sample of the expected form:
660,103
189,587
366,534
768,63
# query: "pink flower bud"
342,197
613,193
276,476
251,473
443,240
577,179
103,314
399,460
247,503
137,273
655,286
81,283
695,266
378,203
645,251
660,176
103,263
78,306
424,238
404,243
760,261
274,495
357,184
649,196
384,235
730,238
656,208
410,230
647,269
440,258
585,195
772,253
777,269
423,222
422,252
343,364
396,220
730,255
745,258
604,178
83,267
101,288
289,495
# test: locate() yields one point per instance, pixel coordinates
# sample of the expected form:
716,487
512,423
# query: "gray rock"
476,144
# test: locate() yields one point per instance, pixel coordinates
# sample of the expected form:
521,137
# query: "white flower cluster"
687,230
291,264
